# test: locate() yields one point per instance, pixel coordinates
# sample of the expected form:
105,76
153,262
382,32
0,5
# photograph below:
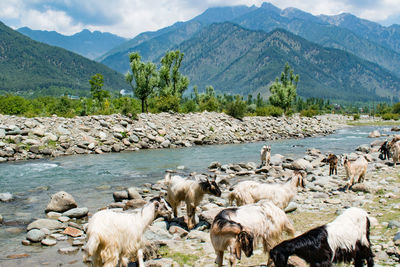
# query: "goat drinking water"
190,191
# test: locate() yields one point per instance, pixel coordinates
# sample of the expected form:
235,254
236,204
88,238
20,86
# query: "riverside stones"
35,235
46,223
76,213
60,202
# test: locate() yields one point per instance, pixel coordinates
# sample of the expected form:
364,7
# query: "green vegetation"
181,258
33,69
283,90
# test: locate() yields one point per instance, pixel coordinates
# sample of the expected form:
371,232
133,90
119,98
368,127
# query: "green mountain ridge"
237,60
28,66
85,43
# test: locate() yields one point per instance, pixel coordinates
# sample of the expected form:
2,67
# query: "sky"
127,18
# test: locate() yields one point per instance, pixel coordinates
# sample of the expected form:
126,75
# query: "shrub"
165,103
189,106
237,108
308,112
390,116
210,104
356,117
269,111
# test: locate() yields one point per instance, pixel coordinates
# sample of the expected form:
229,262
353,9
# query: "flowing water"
91,179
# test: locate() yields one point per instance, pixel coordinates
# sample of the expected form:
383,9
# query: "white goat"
395,150
265,155
343,240
190,191
247,192
114,238
244,227
357,168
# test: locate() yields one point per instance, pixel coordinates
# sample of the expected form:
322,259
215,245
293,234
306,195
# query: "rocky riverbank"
34,138
171,244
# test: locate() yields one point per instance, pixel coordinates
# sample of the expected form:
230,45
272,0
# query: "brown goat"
332,159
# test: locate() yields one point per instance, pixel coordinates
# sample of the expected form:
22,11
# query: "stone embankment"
34,138
172,244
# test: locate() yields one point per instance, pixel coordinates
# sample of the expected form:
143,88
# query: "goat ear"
238,250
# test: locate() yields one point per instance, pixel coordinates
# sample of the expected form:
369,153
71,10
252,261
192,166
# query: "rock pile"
34,138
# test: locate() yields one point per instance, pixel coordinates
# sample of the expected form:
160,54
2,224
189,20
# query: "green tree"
283,90
96,84
237,108
172,82
143,79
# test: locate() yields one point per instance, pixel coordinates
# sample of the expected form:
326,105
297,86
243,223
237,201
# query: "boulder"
209,215
5,197
361,187
120,195
364,148
35,235
134,204
276,160
68,250
133,193
48,242
60,202
374,134
71,231
76,213
46,223
301,164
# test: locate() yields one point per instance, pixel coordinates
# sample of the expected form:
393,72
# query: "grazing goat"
265,154
248,192
343,240
395,149
114,238
384,149
357,168
244,227
190,191
332,159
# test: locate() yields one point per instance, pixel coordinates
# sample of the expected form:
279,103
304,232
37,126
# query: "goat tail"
167,177
289,229
90,248
231,197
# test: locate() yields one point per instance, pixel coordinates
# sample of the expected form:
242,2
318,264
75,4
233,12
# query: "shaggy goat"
343,240
265,155
248,192
114,238
332,159
244,227
190,191
395,149
357,168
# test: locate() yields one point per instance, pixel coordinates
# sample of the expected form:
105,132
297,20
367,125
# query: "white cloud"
131,17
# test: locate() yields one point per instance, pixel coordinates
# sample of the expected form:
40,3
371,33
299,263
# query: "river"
91,179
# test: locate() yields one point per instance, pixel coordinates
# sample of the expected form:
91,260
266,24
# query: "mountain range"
236,60
28,66
341,57
85,43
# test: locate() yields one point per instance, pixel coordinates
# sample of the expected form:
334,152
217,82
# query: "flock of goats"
115,238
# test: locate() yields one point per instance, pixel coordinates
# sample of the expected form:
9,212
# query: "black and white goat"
190,191
242,228
343,240
114,238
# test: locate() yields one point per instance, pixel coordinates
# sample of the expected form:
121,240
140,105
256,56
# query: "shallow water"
33,182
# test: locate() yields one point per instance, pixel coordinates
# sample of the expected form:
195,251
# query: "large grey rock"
301,164
209,215
276,159
5,197
364,148
394,224
46,223
120,195
374,134
133,193
35,235
48,242
60,202
396,237
76,213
